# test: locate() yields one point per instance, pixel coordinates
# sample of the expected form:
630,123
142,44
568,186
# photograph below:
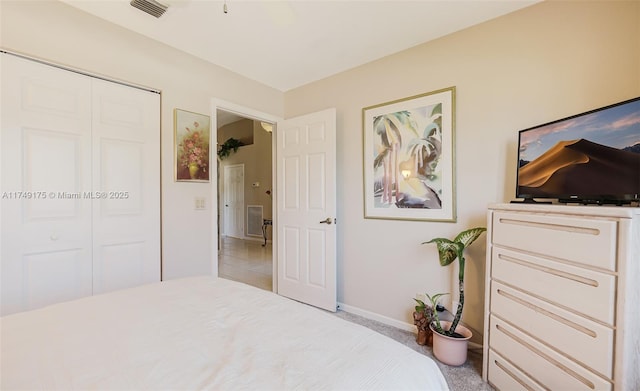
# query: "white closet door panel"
122,264
51,166
126,182
46,224
121,165
56,276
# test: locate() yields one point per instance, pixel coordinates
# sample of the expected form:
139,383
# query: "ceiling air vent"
151,7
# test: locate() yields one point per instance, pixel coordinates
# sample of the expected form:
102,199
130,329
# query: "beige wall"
59,33
539,64
257,166
241,130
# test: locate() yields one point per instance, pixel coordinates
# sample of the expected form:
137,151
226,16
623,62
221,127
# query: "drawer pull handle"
550,314
557,227
555,272
558,364
514,377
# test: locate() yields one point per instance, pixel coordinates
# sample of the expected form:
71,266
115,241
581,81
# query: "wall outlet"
200,204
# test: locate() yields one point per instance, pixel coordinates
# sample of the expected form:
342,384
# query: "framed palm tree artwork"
409,158
191,139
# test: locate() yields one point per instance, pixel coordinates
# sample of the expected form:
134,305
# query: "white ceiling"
286,44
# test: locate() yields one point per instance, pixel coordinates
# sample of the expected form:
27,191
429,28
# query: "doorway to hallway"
245,250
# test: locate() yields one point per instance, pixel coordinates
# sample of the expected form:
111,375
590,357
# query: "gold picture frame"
409,171
192,152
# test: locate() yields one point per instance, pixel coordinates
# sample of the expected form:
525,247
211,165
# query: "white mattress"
201,333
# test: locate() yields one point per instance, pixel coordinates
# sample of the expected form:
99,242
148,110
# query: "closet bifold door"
126,173
46,155
80,185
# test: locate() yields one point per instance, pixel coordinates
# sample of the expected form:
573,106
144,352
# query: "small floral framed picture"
191,139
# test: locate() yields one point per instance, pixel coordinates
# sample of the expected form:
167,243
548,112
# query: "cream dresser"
562,303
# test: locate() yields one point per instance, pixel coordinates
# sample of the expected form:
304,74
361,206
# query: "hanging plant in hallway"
228,146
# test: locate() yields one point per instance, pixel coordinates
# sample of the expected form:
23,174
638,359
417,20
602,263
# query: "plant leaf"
469,236
421,305
434,299
447,250
436,320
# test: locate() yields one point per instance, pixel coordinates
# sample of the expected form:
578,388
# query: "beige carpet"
467,377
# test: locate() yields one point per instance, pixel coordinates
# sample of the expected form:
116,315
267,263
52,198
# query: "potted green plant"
450,338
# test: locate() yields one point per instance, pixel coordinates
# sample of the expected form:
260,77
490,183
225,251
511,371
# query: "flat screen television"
588,158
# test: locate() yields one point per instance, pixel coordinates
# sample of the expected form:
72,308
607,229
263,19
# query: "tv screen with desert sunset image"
589,157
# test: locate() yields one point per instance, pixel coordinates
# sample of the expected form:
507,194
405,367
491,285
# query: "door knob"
326,221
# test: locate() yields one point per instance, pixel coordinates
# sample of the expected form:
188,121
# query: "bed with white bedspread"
201,333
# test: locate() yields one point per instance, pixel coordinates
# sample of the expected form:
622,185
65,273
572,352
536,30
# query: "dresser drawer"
543,364
586,341
505,377
589,292
587,241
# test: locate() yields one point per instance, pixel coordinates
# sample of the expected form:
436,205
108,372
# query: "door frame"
247,112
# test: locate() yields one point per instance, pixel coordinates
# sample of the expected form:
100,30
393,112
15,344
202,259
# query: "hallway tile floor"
246,261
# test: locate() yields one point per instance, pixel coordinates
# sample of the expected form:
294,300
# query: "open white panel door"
306,210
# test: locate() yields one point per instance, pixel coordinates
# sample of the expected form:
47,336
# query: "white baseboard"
473,345
249,238
377,317
389,321
257,239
